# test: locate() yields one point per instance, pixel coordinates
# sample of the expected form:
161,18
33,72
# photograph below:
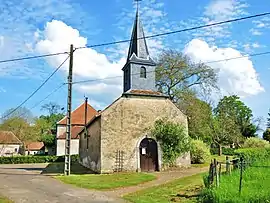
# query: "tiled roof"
35,146
7,137
77,116
145,92
74,133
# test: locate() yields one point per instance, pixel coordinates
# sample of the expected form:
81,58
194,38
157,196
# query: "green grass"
4,200
181,190
221,158
106,182
255,188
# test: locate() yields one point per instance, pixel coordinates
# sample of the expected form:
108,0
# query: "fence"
215,171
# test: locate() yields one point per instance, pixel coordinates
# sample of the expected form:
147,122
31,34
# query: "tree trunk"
219,150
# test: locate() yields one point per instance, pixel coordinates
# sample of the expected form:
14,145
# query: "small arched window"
143,72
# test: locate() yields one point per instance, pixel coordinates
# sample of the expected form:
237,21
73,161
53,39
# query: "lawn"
4,200
183,190
221,158
106,182
255,186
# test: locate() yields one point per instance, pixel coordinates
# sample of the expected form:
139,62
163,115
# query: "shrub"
34,159
252,155
173,138
199,152
254,142
225,151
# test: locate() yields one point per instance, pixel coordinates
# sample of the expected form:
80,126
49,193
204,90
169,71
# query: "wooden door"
148,155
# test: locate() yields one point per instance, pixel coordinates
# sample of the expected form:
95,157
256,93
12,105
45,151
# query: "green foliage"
232,107
48,140
199,152
266,135
35,159
225,151
254,142
173,138
256,181
252,155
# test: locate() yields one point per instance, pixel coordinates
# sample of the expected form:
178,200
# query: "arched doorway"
148,155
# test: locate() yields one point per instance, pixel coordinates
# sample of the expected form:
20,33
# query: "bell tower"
139,70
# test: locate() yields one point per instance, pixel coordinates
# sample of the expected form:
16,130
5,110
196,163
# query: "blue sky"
40,27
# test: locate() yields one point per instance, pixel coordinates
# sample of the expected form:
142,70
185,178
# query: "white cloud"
88,63
235,76
255,32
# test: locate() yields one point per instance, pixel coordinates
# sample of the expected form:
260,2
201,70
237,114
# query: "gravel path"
23,183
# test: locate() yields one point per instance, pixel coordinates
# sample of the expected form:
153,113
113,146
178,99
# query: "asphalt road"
25,183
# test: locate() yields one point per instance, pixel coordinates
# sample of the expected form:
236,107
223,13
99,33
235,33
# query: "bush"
199,152
254,142
225,151
35,159
252,155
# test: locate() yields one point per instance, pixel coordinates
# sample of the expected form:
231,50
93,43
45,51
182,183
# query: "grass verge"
184,190
255,186
107,182
4,200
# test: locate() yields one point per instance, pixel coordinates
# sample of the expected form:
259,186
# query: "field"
4,200
255,186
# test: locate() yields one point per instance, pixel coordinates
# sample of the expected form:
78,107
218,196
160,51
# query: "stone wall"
90,157
126,122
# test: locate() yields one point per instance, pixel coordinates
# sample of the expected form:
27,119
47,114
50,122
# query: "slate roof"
7,137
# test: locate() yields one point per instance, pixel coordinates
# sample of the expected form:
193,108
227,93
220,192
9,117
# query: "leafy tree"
176,74
52,108
48,140
199,116
173,138
231,107
254,142
225,131
199,152
266,135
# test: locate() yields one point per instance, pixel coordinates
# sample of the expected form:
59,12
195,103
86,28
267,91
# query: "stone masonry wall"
90,157
128,120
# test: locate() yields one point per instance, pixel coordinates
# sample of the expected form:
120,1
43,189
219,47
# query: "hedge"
252,155
225,151
35,159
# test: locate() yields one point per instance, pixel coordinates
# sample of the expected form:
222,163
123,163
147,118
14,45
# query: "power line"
32,57
207,62
31,95
178,31
146,37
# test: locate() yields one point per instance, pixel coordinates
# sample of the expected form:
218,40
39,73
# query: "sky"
41,27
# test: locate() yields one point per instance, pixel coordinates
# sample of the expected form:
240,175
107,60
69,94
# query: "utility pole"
68,130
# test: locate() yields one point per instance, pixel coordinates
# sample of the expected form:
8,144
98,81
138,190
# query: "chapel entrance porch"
148,155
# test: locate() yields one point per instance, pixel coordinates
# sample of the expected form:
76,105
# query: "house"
77,122
119,138
34,148
9,144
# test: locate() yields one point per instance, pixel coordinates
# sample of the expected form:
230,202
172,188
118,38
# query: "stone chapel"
118,138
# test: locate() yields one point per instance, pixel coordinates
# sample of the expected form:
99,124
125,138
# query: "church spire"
138,45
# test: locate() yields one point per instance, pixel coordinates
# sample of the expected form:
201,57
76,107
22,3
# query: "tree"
52,108
199,117
175,74
232,107
266,135
21,112
225,131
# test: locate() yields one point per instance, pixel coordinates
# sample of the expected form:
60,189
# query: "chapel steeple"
139,70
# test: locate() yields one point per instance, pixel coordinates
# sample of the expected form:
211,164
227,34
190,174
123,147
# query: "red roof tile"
74,133
7,137
35,146
77,116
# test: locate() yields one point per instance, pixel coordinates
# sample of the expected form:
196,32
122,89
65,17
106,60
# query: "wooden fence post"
228,165
215,171
241,175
